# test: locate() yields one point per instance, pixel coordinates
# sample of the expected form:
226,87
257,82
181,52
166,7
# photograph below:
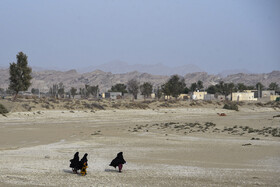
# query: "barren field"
183,146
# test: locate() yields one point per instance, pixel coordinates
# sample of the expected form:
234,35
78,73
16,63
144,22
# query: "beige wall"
273,97
198,95
243,96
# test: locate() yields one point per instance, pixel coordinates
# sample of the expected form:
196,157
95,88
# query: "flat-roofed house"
198,95
243,96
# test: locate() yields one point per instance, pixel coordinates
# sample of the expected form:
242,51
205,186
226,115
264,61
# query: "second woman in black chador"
83,165
118,161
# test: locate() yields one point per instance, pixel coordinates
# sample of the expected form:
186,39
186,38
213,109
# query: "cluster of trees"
57,89
20,80
87,91
133,87
228,88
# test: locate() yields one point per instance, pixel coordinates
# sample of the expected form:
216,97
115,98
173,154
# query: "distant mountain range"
118,67
45,79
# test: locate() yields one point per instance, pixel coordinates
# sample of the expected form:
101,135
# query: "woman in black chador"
75,163
83,165
118,161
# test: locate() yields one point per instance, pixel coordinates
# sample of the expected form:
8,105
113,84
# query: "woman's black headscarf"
118,160
83,160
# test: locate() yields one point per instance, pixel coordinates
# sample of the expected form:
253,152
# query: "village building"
243,96
198,95
112,95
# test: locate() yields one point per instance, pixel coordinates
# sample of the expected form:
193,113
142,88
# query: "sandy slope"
36,148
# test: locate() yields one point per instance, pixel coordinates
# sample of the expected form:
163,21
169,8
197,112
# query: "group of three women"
77,164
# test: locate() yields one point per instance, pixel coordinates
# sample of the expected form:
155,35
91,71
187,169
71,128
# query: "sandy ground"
35,147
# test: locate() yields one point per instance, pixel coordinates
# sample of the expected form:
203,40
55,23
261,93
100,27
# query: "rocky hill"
45,79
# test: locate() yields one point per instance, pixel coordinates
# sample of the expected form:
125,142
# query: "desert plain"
164,144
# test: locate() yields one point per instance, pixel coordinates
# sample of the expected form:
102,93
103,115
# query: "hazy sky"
212,34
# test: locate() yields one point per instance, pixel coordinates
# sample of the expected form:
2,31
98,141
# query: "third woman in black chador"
75,163
118,161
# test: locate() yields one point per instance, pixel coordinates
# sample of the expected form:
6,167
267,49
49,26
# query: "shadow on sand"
68,171
111,170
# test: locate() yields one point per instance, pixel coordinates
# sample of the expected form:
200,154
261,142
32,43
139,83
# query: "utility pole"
259,91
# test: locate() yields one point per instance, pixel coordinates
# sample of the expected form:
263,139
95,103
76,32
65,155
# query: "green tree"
250,87
20,74
225,88
212,89
199,85
93,90
83,92
158,93
87,90
193,87
60,90
35,91
259,85
241,87
119,88
73,92
174,86
133,87
186,90
273,86
54,90
146,89
90,90
230,87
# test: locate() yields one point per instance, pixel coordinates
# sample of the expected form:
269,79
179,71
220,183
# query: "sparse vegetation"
26,106
133,87
73,92
231,106
3,110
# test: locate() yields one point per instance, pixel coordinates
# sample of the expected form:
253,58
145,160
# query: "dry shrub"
231,106
260,104
209,102
172,101
241,103
93,105
116,105
137,105
3,110
53,100
164,105
26,106
148,101
193,103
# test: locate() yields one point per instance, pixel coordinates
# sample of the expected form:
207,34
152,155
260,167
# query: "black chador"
75,163
83,165
83,160
118,161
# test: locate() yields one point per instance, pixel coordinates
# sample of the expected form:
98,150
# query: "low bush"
3,110
231,106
